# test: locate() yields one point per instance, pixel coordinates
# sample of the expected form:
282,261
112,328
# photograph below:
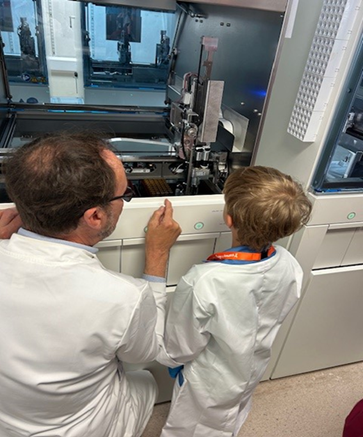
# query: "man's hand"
162,232
10,222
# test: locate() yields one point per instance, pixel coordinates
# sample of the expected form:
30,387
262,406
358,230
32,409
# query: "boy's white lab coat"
65,323
222,322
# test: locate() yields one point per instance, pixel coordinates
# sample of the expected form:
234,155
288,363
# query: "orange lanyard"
241,256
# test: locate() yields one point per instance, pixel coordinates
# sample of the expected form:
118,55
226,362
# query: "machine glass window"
84,46
174,86
23,41
341,165
126,46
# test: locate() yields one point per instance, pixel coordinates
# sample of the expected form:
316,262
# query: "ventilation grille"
332,33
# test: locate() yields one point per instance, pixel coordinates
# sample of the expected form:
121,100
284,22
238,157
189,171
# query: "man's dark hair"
54,179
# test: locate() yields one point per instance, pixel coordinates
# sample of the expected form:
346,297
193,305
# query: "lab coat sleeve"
185,335
139,342
160,299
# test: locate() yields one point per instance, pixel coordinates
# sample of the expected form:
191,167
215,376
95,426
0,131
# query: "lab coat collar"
26,233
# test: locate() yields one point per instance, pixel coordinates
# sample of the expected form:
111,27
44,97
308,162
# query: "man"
68,323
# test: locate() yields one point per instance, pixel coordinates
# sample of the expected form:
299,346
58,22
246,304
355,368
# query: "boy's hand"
162,232
10,222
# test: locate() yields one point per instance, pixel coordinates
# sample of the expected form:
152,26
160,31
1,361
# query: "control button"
198,226
351,215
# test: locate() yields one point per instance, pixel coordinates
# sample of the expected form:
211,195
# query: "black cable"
198,76
182,141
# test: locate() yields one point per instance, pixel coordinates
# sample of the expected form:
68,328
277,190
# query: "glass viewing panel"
341,164
56,51
127,46
21,33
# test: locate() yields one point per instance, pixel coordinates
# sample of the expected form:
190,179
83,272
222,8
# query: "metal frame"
164,5
267,5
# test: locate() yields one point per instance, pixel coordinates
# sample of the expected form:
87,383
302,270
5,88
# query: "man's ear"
95,217
228,220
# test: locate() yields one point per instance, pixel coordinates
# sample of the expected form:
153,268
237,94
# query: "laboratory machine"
174,86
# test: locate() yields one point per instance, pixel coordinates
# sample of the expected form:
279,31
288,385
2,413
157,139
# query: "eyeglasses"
127,196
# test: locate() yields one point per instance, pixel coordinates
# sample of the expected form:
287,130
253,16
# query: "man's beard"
109,227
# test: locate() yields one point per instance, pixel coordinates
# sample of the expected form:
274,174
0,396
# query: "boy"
225,313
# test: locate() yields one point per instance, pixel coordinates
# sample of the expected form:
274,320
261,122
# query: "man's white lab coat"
222,322
63,320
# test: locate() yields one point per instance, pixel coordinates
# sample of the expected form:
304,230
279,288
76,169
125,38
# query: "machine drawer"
341,246
333,248
109,254
327,329
354,254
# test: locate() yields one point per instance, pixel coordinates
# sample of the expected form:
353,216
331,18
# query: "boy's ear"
228,220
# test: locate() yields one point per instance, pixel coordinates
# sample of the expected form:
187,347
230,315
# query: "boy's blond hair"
265,205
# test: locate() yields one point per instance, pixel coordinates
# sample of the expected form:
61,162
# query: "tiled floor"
310,405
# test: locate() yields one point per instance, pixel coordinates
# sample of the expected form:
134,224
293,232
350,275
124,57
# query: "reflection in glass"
346,162
23,41
67,46
342,157
127,46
